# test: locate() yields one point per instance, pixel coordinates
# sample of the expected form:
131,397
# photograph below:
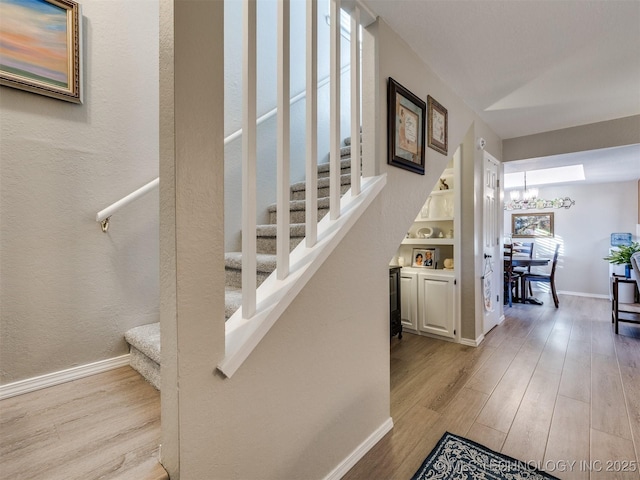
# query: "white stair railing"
248,133
262,307
249,195
103,216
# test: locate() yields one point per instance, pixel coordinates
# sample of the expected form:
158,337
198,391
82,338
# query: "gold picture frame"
40,47
438,134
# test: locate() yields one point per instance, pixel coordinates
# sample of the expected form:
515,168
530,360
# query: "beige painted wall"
318,384
611,133
584,232
68,292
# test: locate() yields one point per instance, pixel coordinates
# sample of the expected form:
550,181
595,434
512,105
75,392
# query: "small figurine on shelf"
443,184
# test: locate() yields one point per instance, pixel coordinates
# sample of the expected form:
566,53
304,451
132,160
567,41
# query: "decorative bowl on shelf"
425,232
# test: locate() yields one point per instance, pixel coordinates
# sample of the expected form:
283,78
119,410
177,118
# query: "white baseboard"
353,458
56,378
582,294
472,343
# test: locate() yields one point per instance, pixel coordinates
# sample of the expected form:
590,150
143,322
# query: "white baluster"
283,149
249,117
334,117
355,102
311,198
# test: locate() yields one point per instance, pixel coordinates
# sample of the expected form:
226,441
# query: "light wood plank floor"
106,426
549,386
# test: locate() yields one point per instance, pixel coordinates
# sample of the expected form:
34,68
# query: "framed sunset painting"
40,47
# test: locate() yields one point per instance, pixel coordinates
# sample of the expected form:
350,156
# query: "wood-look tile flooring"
105,427
548,386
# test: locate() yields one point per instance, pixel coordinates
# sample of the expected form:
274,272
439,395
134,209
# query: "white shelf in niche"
429,271
435,193
419,219
427,241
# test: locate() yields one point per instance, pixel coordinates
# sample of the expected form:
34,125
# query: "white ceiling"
530,66
619,164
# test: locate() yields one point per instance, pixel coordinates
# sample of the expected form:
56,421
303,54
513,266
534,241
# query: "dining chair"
524,248
510,276
549,278
630,311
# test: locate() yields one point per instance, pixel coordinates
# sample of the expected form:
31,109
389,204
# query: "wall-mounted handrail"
104,215
294,99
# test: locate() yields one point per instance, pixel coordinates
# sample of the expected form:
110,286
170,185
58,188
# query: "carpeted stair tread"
146,338
322,183
300,205
265,262
269,230
323,168
232,301
145,366
347,141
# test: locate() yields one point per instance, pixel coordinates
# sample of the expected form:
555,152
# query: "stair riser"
297,216
268,244
322,192
233,277
146,367
343,171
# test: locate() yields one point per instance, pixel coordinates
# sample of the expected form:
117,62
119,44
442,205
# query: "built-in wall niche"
430,295
406,253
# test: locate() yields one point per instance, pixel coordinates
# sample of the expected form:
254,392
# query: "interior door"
492,266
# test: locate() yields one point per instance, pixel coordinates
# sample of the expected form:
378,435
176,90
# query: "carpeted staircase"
144,341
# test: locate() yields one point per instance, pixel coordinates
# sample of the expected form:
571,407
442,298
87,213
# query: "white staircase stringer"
275,295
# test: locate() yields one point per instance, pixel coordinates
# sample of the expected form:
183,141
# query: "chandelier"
528,195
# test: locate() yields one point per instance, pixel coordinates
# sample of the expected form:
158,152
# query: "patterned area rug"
461,459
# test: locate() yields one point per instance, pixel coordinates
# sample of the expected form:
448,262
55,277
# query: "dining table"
517,261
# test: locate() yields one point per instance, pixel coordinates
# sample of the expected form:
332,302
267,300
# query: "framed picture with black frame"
437,137
406,128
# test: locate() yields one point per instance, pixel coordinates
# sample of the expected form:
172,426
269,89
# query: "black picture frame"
438,136
406,128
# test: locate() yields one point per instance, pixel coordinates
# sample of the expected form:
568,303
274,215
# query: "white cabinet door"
409,300
436,305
